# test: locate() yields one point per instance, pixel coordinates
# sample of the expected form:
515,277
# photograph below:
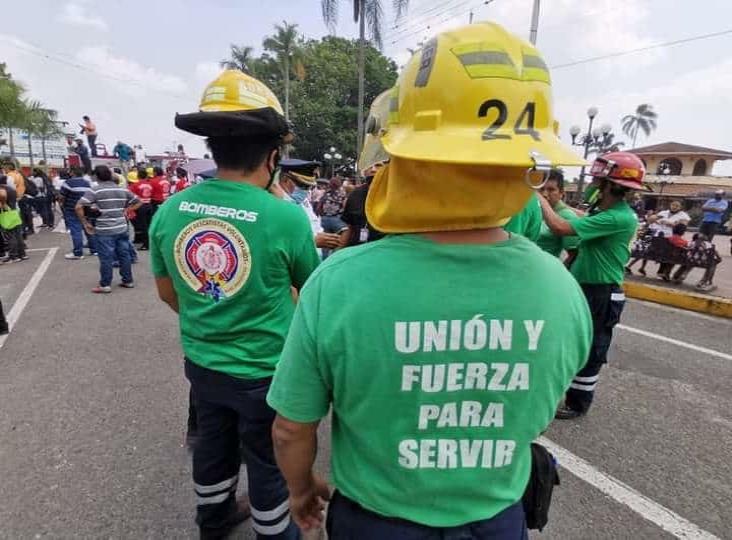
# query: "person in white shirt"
667,219
140,156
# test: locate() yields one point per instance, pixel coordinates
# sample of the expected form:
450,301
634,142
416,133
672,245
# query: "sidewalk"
722,278
716,302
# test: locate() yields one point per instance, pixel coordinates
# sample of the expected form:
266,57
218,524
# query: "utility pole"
534,22
473,14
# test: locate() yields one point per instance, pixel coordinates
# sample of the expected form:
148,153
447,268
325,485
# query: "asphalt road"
94,401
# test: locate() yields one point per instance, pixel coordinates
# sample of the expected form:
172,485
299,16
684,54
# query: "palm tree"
241,59
606,144
286,45
29,122
643,120
46,127
12,108
364,12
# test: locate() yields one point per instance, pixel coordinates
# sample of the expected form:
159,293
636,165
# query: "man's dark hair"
103,173
85,118
141,174
158,171
64,174
179,172
77,172
557,175
9,165
243,153
679,229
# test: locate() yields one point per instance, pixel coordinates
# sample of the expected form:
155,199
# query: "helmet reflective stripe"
486,60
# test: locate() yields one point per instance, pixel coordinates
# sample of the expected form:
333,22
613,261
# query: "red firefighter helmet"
622,168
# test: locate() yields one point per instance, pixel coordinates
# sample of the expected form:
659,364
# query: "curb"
711,305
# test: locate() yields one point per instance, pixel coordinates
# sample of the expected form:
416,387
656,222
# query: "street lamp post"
590,137
331,157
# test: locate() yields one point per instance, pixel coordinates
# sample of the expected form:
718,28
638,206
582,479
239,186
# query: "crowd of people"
672,224
412,306
441,325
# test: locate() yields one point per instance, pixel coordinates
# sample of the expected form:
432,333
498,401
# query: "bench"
660,250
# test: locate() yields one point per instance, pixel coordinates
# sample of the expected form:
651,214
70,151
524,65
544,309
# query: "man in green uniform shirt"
225,254
449,357
528,221
553,190
605,237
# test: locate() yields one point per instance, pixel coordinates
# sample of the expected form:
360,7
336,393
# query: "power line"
429,22
641,49
414,17
429,26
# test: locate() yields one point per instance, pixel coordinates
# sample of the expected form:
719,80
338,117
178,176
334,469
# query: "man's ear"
274,159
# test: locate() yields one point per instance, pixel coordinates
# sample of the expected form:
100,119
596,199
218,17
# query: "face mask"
299,195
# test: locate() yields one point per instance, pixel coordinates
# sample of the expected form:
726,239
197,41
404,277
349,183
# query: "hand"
89,228
327,240
307,508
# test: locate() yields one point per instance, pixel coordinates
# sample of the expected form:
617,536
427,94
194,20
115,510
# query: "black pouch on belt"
538,495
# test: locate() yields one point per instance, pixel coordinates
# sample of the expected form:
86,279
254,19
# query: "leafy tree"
241,58
286,45
325,102
605,144
47,126
643,120
365,12
12,107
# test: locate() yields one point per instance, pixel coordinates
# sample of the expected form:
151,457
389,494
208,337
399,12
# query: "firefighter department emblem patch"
213,258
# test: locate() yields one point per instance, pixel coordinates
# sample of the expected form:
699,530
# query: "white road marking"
25,296
37,249
677,342
650,510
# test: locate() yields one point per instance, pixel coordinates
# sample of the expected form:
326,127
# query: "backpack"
538,495
30,187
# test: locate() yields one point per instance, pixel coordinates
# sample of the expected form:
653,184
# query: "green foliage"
17,112
324,92
325,103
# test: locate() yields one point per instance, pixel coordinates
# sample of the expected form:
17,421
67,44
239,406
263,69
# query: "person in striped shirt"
112,237
72,189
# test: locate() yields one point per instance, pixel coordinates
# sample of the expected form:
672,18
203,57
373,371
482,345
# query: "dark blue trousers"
233,417
348,520
606,304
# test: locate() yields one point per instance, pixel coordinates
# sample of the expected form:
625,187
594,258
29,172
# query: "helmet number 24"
527,118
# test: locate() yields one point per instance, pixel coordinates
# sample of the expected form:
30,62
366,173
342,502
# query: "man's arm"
166,292
79,209
296,445
557,224
713,208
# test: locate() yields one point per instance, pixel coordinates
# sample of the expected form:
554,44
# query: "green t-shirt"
605,247
442,365
553,244
527,222
233,252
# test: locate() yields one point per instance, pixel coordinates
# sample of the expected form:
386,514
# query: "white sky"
131,64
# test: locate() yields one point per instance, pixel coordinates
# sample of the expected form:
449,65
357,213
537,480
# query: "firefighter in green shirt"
226,254
605,237
440,349
553,190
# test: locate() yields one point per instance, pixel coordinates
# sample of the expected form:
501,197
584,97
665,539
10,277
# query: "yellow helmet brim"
459,146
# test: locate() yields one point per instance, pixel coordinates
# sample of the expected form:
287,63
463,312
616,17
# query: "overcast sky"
131,64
